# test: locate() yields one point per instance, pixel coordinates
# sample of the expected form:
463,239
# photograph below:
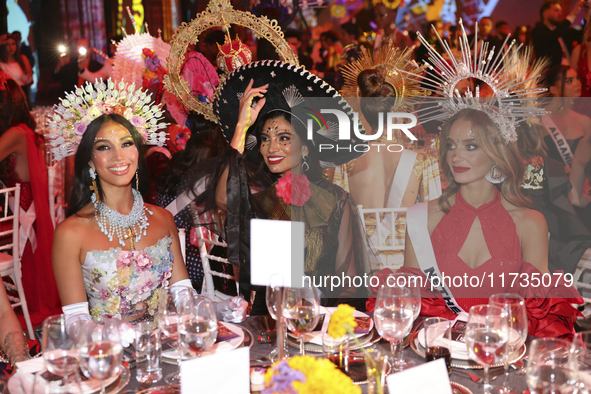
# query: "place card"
413,380
276,252
219,373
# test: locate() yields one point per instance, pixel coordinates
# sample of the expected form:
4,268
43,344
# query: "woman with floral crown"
113,254
481,225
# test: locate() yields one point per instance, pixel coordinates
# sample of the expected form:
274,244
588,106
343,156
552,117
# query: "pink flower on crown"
79,128
137,121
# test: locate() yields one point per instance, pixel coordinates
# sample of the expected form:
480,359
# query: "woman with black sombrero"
264,110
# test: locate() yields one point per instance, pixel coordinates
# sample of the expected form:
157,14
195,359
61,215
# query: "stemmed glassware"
169,316
60,351
408,280
101,352
582,351
273,299
301,310
517,328
552,367
198,328
393,316
487,336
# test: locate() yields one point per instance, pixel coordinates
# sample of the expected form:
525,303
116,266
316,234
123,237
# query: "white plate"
316,336
217,347
459,351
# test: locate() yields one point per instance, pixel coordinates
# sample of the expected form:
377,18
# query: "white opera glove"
78,322
176,290
232,310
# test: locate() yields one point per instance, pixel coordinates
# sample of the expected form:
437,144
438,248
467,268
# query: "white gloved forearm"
78,322
232,310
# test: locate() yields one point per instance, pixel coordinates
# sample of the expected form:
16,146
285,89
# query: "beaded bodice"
126,284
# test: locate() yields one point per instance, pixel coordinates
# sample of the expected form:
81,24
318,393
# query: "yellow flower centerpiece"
309,375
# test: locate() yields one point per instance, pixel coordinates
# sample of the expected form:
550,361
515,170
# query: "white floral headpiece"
79,108
513,95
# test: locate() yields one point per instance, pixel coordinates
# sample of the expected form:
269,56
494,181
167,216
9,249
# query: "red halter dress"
548,307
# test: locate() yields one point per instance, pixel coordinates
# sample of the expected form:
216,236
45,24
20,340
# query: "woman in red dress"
21,161
482,234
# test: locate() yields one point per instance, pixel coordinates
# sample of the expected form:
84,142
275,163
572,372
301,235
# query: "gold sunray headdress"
514,97
391,61
218,13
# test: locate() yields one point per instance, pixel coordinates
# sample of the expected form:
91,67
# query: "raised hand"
248,114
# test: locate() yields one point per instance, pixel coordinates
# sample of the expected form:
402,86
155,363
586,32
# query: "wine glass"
168,320
486,336
517,328
301,310
393,316
198,327
273,299
60,351
552,367
411,282
582,351
101,352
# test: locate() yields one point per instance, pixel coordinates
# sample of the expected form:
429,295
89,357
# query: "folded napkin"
364,323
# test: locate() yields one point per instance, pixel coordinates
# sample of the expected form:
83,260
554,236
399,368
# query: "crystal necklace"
112,222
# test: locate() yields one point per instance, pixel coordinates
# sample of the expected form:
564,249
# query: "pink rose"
284,188
137,121
79,128
300,190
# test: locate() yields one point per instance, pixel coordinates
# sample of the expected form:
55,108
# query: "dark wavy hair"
13,107
81,189
13,111
314,173
554,75
206,142
489,138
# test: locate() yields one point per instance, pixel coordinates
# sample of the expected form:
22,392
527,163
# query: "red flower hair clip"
294,189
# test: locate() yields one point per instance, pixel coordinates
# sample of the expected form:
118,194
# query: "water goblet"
273,299
517,328
393,316
301,310
552,367
412,283
582,351
101,352
486,336
60,350
198,328
169,316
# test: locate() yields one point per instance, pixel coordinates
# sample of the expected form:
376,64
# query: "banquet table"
260,350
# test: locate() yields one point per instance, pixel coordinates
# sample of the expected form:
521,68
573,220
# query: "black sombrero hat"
330,121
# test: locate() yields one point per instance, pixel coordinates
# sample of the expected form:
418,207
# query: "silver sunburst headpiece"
510,100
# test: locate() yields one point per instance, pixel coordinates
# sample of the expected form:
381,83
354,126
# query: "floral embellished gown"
126,284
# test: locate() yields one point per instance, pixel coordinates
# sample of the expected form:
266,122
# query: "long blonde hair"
505,156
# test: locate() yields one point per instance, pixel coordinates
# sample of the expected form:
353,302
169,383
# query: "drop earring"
495,176
94,186
137,180
305,165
